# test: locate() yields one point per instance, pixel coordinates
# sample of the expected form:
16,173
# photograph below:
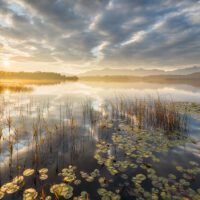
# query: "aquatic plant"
83,196
105,194
28,172
30,194
139,147
62,190
68,174
43,174
130,144
150,113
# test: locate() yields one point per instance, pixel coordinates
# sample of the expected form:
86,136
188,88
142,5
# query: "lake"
65,141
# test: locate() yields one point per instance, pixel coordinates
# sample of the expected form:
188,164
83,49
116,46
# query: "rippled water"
65,137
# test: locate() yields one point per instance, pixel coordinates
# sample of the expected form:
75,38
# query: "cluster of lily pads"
12,187
140,150
130,157
30,194
83,196
43,174
18,183
62,190
90,177
68,174
108,195
189,107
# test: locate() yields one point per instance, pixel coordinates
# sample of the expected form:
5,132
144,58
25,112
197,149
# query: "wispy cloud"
82,34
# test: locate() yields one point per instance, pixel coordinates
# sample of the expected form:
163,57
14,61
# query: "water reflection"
15,88
57,125
65,102
101,90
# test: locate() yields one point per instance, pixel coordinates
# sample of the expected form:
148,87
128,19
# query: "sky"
73,36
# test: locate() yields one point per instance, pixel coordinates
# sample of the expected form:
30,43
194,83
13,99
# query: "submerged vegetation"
78,150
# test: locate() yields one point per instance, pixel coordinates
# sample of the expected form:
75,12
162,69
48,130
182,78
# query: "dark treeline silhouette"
36,76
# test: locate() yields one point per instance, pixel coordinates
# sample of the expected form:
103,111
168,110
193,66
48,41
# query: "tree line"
35,76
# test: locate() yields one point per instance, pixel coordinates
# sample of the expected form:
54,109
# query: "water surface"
66,136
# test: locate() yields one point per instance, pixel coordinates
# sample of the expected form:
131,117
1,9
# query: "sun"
6,63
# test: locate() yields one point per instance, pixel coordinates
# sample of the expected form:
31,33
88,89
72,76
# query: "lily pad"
28,172
30,194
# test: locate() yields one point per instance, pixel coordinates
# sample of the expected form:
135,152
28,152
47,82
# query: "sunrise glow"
6,63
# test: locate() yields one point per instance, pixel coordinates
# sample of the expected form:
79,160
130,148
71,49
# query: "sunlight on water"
176,92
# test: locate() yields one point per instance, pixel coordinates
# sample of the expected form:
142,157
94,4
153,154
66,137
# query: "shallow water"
65,136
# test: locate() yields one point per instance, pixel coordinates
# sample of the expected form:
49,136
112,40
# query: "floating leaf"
43,171
43,177
30,194
18,180
28,172
48,198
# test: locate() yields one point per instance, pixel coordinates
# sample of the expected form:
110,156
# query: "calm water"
67,136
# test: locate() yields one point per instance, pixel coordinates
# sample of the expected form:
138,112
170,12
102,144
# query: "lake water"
47,128
179,92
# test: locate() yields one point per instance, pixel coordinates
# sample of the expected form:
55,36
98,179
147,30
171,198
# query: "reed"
89,112
151,113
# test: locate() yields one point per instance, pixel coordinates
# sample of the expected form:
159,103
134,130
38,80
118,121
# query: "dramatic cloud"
72,36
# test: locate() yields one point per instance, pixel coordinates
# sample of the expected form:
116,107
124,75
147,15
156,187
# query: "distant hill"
139,72
185,71
191,79
193,76
123,72
187,77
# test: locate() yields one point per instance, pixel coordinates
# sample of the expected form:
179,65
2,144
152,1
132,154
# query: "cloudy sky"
73,36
